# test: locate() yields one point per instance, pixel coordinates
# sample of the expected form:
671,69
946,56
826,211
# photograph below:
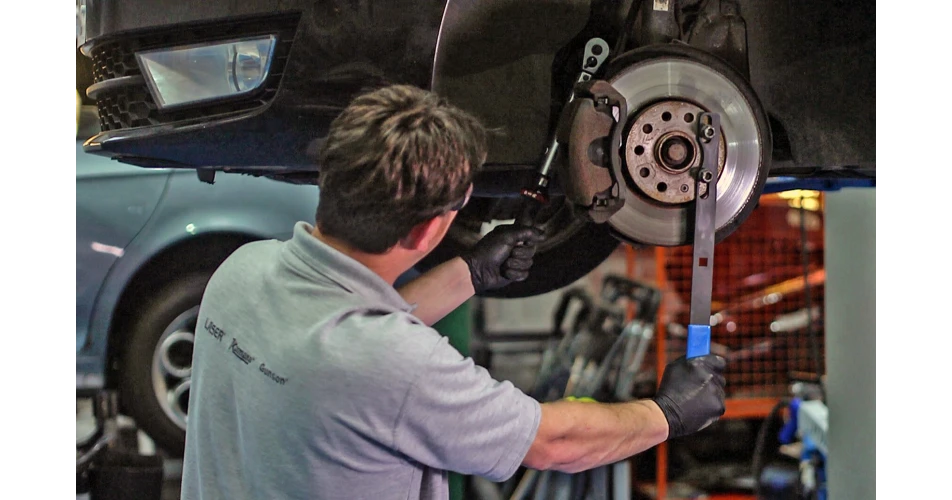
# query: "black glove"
499,259
691,394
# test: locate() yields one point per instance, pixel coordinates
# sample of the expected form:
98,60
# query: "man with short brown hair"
369,196
323,381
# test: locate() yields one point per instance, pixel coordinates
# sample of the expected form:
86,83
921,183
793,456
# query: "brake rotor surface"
658,154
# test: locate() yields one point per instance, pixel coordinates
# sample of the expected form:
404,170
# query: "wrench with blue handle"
702,275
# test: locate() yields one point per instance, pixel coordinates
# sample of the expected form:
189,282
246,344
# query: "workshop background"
769,313
768,308
793,311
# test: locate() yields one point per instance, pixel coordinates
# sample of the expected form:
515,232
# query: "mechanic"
314,378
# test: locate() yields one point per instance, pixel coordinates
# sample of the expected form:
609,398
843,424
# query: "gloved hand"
691,393
498,258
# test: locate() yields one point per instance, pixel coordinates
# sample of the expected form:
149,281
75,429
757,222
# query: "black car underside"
793,81
811,63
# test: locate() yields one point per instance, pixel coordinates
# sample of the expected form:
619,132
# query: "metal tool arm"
537,192
705,227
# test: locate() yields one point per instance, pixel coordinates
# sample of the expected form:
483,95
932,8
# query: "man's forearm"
576,436
439,291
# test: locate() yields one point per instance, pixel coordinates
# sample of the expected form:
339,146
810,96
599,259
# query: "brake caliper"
591,126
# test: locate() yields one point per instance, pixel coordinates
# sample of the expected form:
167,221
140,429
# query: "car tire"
165,322
552,269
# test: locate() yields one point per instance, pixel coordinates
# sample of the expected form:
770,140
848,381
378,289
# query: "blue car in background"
147,241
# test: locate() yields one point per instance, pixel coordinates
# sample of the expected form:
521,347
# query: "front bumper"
324,56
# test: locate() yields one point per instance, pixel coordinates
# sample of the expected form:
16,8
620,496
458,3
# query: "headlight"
196,73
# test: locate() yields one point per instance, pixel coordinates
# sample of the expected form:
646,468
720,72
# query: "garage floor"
85,425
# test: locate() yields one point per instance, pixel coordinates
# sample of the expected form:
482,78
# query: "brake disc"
665,89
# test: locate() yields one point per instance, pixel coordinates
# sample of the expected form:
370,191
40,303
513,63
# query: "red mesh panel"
761,297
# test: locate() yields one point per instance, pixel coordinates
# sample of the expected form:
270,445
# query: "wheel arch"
208,251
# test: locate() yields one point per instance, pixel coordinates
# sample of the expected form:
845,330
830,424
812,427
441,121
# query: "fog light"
205,72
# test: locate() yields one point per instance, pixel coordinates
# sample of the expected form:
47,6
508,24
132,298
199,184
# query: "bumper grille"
132,105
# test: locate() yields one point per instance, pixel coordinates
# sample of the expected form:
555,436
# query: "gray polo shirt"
312,379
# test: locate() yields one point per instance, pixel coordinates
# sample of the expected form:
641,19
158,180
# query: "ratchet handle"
533,199
699,340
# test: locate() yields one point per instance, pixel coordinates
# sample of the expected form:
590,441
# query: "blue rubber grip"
699,340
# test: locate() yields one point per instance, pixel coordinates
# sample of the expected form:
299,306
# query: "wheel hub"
172,367
675,152
661,149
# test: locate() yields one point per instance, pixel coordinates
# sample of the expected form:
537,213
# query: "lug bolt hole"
666,116
647,128
662,187
639,150
644,172
689,117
